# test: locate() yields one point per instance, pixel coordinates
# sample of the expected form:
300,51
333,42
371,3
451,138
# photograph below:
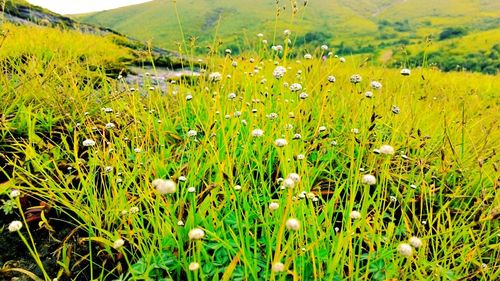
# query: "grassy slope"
343,19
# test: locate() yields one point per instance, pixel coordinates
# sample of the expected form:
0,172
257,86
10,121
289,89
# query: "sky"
82,6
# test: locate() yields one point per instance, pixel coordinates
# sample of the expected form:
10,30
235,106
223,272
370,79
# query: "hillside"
377,20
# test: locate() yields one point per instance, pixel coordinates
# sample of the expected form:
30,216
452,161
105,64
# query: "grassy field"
250,172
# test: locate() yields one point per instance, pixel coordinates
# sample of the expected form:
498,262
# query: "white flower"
194,266
164,186
355,131
237,187
376,85
355,215
277,48
307,56
273,206
260,35
192,133
257,133
180,223
189,97
303,95
264,42
395,109
118,243
15,226
137,150
301,157
415,242
280,142
191,189
405,72
88,143
322,129
231,96
272,115
369,94
295,87
294,176
369,180
287,32
279,72
342,59
331,79
292,224
405,250
214,77
15,193
288,183
108,169
356,78
386,149
297,137
324,47
234,63
110,126
196,234
134,210
228,51
107,110
278,267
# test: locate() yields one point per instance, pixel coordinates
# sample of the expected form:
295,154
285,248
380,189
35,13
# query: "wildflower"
107,110
376,151
15,226
415,242
355,215
295,87
322,129
108,169
280,142
279,72
301,157
191,189
302,195
292,224
88,143
192,133
288,183
278,267
134,210
231,96
228,51
355,131
194,266
297,137
260,35
164,186
310,195
331,79
324,47
237,187
15,193
180,223
294,176
214,77
387,149
369,94
369,180
264,42
277,48
257,133
307,56
405,72
118,243
273,206
137,150
189,97
356,78
405,250
196,234
342,59
376,85
234,63
395,109
393,199
303,95
287,32
272,115
110,126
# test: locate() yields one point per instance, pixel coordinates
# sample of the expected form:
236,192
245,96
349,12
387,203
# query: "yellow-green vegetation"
266,167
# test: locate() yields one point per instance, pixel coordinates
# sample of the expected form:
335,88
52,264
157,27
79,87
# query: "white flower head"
164,186
257,133
324,47
15,226
355,215
405,250
342,59
369,180
292,224
281,142
331,79
15,193
376,85
110,126
273,206
88,143
287,32
194,266
294,176
369,94
356,78
405,72
303,96
214,77
288,183
192,133
279,72
308,56
295,87
196,234
386,149
415,242
278,267
118,243
231,96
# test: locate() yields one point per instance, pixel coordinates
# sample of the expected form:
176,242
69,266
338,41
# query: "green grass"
445,138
